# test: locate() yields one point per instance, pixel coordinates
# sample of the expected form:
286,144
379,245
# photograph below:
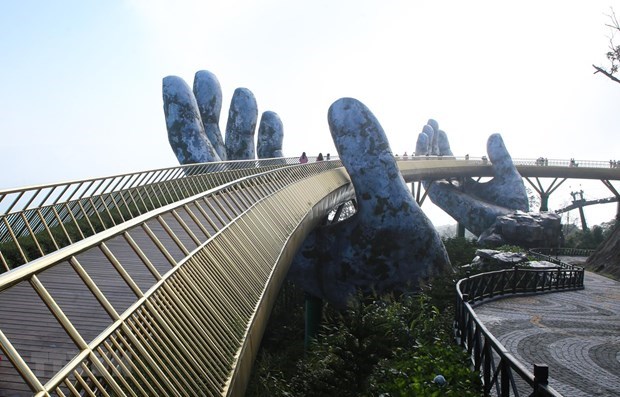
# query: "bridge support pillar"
584,225
544,202
313,308
460,230
545,193
616,193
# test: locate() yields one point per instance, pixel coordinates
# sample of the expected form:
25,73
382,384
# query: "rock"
492,259
440,380
542,264
528,230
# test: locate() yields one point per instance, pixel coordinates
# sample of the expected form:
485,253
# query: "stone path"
577,334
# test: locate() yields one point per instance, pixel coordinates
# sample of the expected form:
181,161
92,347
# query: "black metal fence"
502,374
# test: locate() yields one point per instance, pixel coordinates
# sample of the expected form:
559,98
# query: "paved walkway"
577,334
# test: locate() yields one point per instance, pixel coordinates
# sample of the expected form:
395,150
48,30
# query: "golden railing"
38,220
170,303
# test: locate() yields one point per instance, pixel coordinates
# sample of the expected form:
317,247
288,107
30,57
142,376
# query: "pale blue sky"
81,80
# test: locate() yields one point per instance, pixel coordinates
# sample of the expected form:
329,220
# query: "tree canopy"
613,55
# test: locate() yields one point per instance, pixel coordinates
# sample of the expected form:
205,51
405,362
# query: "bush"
379,346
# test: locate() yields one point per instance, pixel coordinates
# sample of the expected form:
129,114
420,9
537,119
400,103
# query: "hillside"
606,259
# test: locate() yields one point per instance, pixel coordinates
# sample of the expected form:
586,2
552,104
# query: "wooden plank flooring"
38,336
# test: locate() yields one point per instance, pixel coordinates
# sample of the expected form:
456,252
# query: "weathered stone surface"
528,230
490,259
434,147
241,125
208,93
443,144
389,244
432,141
185,129
423,144
270,136
476,205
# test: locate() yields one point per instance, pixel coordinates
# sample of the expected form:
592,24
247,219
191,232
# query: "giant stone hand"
476,205
389,245
192,121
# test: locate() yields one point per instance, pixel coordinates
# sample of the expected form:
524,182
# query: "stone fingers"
389,245
241,125
185,129
365,152
208,93
270,136
475,214
424,143
506,189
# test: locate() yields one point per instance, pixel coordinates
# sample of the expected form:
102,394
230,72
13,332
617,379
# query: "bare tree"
613,55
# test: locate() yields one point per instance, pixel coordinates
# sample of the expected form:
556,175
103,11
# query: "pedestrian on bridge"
303,159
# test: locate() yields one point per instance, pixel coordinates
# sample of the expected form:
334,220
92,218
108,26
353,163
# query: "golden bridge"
161,282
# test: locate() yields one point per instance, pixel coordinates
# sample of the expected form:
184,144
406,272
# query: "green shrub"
379,346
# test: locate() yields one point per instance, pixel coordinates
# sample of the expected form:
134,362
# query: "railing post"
505,378
486,368
463,320
541,377
514,280
557,281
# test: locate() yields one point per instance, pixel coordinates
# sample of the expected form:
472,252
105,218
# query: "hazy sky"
81,80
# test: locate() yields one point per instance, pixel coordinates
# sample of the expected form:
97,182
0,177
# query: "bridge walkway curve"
172,302
169,298
576,333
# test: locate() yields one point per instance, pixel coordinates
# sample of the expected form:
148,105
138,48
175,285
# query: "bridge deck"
172,302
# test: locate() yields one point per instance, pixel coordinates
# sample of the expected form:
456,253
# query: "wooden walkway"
39,337
170,303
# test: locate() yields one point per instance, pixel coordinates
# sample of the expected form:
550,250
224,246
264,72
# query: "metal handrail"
179,296
483,347
38,220
518,161
549,253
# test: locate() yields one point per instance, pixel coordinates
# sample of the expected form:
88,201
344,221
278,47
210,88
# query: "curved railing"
170,303
38,220
171,294
552,254
502,373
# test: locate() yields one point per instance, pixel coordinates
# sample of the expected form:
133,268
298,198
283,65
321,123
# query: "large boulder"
528,230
